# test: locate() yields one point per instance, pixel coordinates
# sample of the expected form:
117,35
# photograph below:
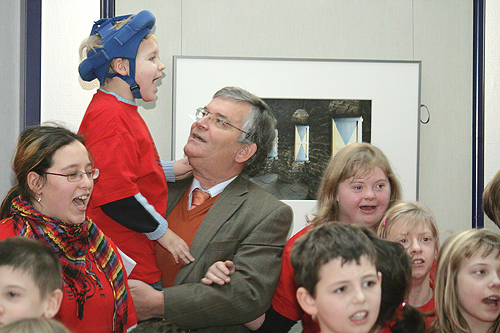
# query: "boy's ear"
53,303
307,302
120,66
245,154
379,277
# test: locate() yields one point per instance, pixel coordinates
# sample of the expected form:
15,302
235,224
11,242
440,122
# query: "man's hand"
176,246
219,273
182,168
148,301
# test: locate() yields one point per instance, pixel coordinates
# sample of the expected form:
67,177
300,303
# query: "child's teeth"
359,315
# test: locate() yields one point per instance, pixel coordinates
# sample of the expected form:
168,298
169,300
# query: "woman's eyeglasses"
77,176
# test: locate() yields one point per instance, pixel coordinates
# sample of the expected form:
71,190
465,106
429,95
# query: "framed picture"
391,87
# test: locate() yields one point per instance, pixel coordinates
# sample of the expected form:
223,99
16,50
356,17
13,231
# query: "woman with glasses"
55,178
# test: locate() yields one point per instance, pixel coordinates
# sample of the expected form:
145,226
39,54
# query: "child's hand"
182,168
256,323
219,273
176,246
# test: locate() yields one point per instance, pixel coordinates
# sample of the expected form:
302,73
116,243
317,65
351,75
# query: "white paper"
128,262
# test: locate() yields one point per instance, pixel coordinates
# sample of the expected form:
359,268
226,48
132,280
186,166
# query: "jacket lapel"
226,204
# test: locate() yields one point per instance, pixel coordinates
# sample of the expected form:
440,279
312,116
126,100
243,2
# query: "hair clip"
383,221
402,305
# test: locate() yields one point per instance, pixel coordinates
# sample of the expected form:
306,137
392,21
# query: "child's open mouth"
491,301
359,315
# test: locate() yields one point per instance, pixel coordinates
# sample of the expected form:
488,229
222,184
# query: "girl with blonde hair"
468,283
413,225
344,183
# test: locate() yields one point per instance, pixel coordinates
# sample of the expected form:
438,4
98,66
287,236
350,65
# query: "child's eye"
12,294
359,187
379,186
426,239
339,290
403,241
370,283
480,271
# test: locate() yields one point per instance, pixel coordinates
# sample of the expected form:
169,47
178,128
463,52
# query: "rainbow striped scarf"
72,243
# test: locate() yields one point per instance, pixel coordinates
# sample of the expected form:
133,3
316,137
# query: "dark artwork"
291,180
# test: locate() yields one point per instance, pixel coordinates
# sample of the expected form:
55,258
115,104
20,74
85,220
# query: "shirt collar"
118,97
213,191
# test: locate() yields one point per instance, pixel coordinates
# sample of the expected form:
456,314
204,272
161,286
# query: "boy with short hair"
335,269
30,280
129,201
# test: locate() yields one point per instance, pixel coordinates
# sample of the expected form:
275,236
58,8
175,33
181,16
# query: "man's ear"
307,302
121,66
34,182
245,153
53,303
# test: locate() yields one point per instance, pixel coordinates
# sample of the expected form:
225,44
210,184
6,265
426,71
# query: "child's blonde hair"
451,256
413,214
354,160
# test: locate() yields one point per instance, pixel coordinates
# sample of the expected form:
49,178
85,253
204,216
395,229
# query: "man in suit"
239,222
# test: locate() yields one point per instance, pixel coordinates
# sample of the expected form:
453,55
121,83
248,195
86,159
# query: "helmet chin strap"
134,87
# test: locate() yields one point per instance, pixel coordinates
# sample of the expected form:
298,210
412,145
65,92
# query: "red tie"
198,197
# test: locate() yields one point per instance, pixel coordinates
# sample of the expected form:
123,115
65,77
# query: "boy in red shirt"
129,200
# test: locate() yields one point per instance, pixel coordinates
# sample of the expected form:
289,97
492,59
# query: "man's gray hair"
259,127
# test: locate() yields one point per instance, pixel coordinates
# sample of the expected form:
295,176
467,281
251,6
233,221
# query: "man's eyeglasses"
218,121
77,176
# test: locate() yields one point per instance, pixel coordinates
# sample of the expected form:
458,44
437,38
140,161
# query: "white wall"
64,96
437,32
10,88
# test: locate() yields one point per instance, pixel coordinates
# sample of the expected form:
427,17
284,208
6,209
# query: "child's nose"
161,66
495,281
415,247
369,194
359,296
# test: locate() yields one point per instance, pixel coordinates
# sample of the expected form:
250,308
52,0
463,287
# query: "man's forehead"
226,107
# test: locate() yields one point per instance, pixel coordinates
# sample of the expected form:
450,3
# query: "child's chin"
149,98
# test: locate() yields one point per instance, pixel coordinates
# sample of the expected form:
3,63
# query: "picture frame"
392,86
